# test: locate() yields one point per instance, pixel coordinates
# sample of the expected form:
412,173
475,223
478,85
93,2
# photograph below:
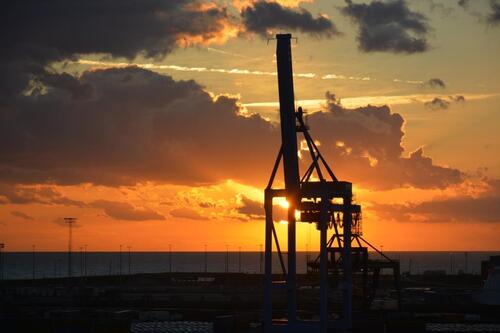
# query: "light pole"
129,260
206,259
227,258
85,259
120,257
70,221
170,258
239,259
2,247
33,261
81,261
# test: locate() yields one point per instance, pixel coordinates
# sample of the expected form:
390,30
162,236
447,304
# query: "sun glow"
283,203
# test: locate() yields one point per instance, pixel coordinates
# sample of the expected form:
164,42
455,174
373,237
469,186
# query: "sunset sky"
155,122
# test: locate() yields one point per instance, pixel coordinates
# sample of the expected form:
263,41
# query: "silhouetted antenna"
70,221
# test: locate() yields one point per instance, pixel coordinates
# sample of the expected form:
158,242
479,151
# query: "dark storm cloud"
435,83
263,17
21,215
125,211
485,208
388,27
35,33
135,125
494,16
365,146
52,29
437,104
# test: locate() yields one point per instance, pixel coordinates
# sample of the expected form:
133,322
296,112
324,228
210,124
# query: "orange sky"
168,136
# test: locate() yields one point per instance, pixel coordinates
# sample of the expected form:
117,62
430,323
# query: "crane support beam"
287,112
290,158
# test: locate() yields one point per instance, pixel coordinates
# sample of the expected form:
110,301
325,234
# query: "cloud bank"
484,208
364,145
264,18
125,211
388,27
123,126
129,125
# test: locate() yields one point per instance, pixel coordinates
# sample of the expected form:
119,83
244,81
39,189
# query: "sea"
38,265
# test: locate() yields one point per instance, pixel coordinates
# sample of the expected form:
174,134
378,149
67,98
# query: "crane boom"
287,113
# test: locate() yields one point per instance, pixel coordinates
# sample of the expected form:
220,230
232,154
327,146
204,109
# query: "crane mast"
318,197
313,199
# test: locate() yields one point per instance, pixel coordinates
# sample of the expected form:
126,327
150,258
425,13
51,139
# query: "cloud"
437,104
136,125
240,4
265,18
365,147
390,100
125,211
491,18
21,215
484,208
187,213
443,103
120,28
44,32
232,71
494,16
251,208
388,27
435,83
441,7
46,195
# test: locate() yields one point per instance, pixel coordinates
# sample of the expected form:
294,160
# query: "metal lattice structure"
314,199
318,197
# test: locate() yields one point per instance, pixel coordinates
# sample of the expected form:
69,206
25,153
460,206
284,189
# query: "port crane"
315,196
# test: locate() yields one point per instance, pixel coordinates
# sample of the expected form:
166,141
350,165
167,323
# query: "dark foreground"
230,302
